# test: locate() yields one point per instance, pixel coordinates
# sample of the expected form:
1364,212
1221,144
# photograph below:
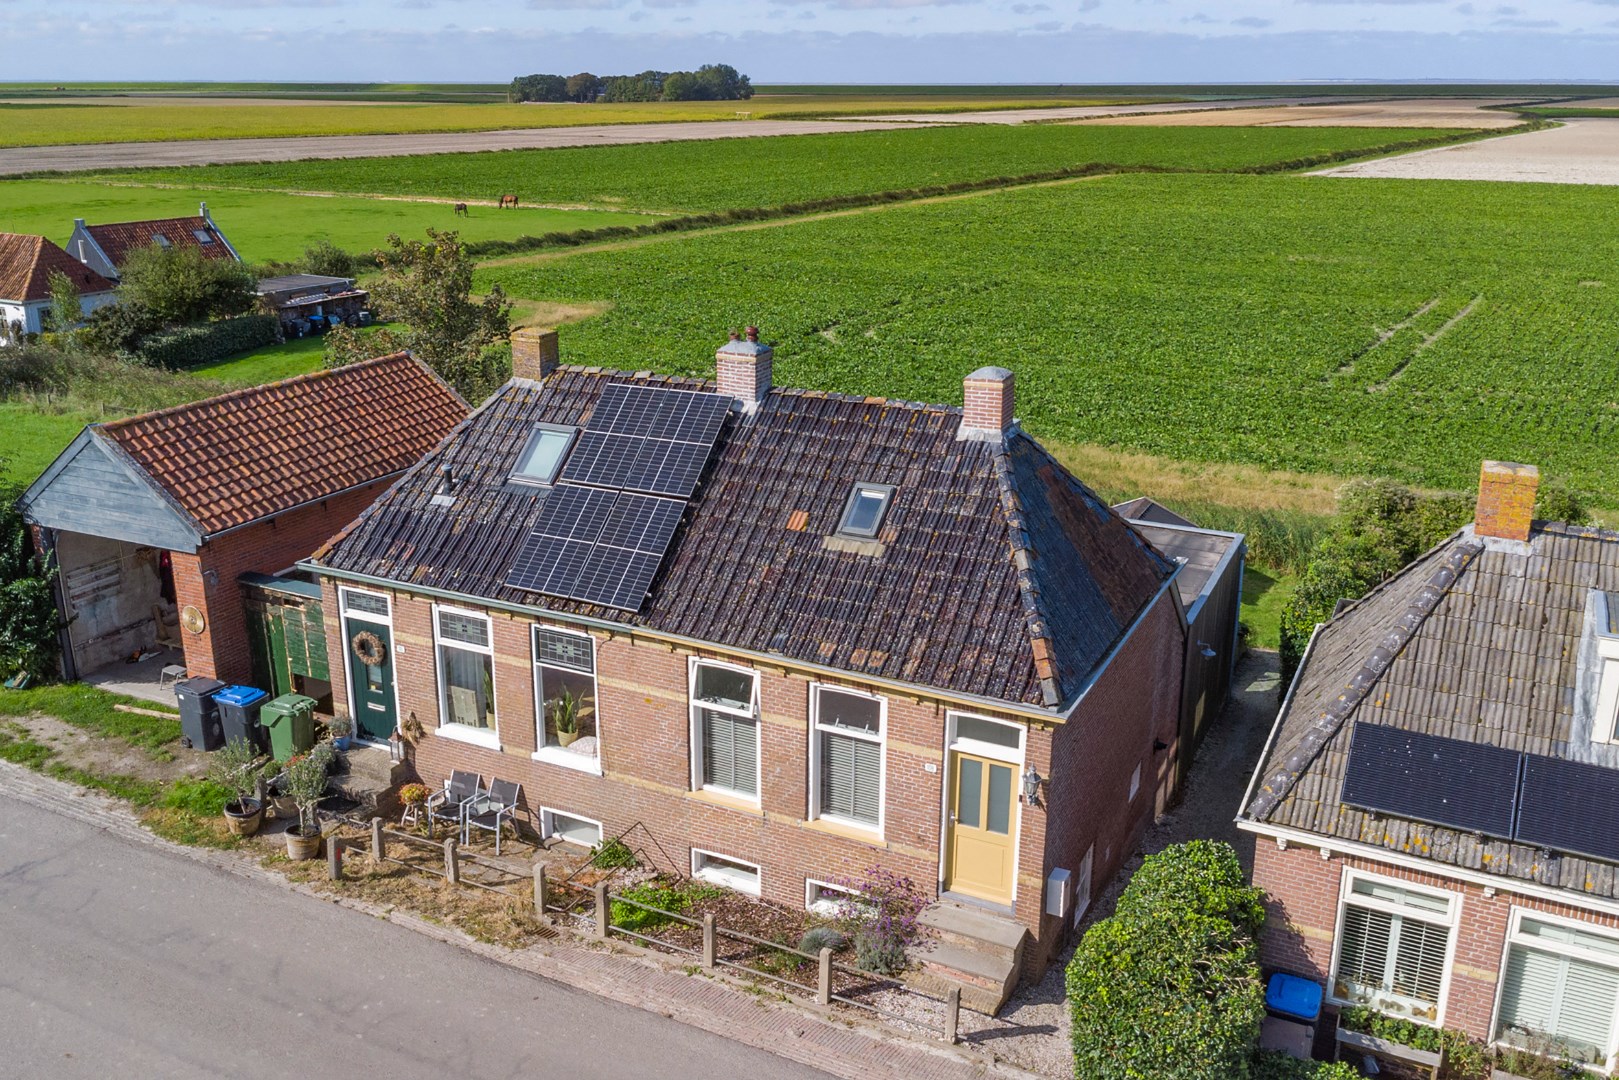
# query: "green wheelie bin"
290,719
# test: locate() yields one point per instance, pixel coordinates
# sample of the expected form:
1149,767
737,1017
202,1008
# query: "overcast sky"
935,41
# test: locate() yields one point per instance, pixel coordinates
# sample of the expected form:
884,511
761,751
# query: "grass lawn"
269,363
271,225
1264,595
34,434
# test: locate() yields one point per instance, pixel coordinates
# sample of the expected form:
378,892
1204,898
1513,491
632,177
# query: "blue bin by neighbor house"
239,714
1293,997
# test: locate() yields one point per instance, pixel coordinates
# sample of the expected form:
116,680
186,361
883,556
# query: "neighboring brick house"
26,264
154,518
876,621
1437,811
103,248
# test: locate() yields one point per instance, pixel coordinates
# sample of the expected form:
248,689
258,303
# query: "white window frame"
557,755
1083,884
1135,784
1452,921
343,613
548,816
726,878
490,739
1514,929
571,435
828,908
881,739
694,711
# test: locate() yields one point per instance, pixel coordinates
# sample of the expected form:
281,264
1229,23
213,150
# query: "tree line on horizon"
711,82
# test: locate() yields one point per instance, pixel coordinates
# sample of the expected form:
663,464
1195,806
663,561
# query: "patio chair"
492,810
446,805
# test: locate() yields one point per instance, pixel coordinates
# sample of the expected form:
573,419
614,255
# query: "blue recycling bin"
239,714
1293,997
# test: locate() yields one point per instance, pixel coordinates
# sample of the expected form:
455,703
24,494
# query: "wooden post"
823,985
709,942
334,858
601,909
952,1015
452,862
377,850
539,890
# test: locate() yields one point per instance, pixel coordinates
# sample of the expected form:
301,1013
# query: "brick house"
869,628
153,519
26,265
1437,810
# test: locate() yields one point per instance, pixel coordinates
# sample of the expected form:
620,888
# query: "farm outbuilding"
156,519
312,303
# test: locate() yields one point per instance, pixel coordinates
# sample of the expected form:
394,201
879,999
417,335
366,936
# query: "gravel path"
1032,1031
1582,151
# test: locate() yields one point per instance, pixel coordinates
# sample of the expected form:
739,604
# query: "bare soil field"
1422,112
1583,151
1098,112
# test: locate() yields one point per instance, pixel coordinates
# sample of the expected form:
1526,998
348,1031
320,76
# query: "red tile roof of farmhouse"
996,573
117,239
26,263
242,456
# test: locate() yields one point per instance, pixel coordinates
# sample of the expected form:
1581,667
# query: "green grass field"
745,173
1398,328
33,434
268,225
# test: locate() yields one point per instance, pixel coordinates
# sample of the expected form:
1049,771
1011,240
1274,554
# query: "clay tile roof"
242,456
119,238
26,263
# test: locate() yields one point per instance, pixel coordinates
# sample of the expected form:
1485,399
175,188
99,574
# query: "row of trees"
711,82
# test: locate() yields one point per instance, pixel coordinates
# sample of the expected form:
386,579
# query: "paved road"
121,960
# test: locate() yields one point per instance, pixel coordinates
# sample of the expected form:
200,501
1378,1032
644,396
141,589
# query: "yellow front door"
979,853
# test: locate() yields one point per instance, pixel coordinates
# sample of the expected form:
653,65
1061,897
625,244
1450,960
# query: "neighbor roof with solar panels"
1453,715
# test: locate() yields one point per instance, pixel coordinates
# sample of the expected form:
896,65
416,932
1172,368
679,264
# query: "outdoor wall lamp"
1207,650
1031,786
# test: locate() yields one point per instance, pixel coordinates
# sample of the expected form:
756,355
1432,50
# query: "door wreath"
368,649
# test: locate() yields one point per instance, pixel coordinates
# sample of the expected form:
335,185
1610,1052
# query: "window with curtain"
1561,983
725,726
1392,947
847,756
466,669
565,682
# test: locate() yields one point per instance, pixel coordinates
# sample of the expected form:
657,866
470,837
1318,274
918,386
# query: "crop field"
265,226
1397,328
742,173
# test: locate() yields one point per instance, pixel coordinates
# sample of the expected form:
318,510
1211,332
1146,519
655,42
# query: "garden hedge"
206,342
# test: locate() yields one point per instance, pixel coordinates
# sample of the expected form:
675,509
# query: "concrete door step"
973,927
977,998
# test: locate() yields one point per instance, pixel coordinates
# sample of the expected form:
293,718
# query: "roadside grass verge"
92,711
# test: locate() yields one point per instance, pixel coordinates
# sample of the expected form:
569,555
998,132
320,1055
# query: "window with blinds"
1392,947
847,756
725,727
1561,983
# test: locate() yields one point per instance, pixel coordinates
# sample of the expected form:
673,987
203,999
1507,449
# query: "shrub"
29,619
614,854
181,285
878,949
1202,876
205,342
627,914
817,938
231,767
1393,1028
1275,1065
881,917
329,260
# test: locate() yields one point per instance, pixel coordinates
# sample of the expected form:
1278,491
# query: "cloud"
1253,22
1029,9
1527,24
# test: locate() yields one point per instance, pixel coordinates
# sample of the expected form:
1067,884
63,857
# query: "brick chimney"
987,399
534,352
1506,500
743,368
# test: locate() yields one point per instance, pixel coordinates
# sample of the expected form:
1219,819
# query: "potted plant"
305,783
565,716
232,768
341,727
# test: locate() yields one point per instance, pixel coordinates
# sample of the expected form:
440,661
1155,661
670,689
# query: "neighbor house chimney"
987,403
743,368
1506,500
534,352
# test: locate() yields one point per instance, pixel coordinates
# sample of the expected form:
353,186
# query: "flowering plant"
413,794
883,916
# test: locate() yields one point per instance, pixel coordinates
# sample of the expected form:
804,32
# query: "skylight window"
203,236
542,456
863,514
160,240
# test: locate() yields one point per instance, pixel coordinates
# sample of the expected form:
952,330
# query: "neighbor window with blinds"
1561,984
846,757
1392,947
725,728
466,670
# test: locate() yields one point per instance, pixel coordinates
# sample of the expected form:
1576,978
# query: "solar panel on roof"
601,547
1569,806
648,439
1460,785
555,553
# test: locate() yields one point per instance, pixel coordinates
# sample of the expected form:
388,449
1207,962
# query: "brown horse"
508,200
461,210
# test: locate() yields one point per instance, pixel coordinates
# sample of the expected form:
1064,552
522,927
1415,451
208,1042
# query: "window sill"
567,759
715,797
489,740
747,885
848,830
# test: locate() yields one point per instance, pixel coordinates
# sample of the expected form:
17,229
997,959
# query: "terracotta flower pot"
301,847
243,818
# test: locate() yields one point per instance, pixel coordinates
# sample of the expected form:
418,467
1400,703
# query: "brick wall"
1302,909
221,650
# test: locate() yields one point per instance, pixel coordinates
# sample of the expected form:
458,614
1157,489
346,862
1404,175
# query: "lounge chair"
492,810
446,805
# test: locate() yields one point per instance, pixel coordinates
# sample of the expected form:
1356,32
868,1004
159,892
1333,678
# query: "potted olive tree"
565,716
305,783
233,768
341,727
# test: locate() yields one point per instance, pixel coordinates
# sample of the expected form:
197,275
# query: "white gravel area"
1579,151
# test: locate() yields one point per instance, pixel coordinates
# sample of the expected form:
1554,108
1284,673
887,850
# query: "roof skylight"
542,455
863,514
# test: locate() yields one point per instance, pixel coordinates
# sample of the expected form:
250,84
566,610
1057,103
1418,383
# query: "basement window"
731,873
863,514
542,455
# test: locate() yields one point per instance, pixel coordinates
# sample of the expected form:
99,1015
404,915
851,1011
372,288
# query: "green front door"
371,678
